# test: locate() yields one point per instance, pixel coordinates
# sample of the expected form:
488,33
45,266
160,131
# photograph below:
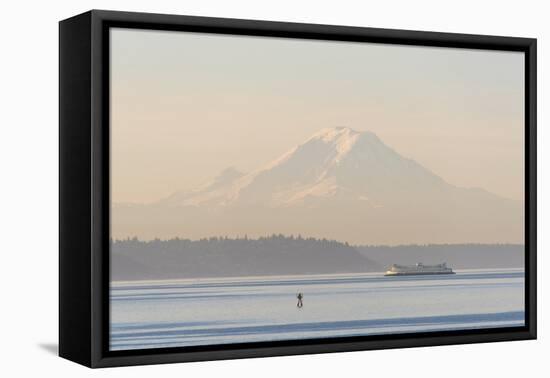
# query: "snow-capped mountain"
338,163
339,183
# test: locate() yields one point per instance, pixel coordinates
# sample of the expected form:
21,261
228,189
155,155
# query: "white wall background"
29,186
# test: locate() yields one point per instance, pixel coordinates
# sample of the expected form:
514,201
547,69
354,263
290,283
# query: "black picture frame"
84,202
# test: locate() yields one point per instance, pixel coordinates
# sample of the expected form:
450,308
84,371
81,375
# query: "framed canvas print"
235,188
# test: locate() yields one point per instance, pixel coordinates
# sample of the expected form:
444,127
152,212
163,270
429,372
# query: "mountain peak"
341,134
341,139
333,133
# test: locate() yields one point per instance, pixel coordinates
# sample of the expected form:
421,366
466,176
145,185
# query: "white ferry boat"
418,269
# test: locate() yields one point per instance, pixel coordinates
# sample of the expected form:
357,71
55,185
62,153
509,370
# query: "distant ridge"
133,259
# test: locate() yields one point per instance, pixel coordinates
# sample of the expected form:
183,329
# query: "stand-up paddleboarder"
300,296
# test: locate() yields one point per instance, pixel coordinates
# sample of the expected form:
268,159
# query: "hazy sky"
185,106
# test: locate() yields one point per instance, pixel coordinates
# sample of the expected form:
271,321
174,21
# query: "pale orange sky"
185,106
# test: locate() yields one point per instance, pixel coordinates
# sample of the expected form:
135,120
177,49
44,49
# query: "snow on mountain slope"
212,190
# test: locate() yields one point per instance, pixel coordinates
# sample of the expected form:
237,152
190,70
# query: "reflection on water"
157,314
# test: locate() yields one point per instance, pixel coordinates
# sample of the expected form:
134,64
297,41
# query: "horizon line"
304,238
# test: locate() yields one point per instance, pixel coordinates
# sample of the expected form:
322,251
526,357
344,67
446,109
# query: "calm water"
155,314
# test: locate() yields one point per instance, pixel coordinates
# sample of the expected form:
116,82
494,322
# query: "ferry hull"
416,273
